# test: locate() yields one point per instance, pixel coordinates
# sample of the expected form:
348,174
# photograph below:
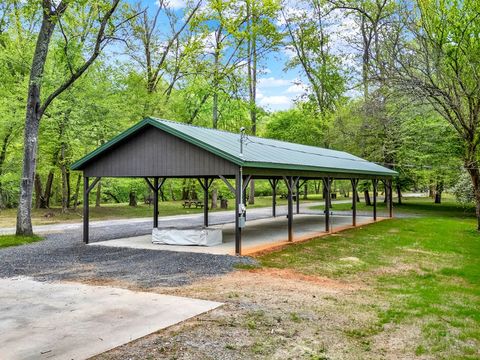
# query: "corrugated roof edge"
159,123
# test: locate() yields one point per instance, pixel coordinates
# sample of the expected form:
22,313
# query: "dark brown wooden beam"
230,187
390,198
85,209
273,184
205,201
375,185
354,201
326,183
238,230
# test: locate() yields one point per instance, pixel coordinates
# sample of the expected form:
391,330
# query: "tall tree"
435,57
155,38
96,37
262,37
310,39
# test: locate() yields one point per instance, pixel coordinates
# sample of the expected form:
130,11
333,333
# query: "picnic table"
190,203
285,196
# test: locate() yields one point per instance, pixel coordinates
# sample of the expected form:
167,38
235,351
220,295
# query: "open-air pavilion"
156,150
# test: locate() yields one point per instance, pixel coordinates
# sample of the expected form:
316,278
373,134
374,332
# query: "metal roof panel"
257,152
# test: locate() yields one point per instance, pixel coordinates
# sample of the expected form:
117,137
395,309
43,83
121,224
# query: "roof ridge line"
248,135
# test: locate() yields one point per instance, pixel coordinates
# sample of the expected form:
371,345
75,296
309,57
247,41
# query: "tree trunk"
132,199
216,71
365,57
214,204
98,198
65,185
77,191
32,123
69,189
251,195
172,193
35,109
252,83
317,184
48,190
305,192
3,155
185,190
38,192
399,194
438,192
472,168
367,198
65,191
358,196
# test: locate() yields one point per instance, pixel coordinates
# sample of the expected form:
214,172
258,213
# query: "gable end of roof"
79,164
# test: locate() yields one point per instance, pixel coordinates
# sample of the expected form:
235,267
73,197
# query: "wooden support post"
326,184
290,208
375,184
155,202
390,198
155,187
85,209
205,202
354,201
238,230
273,184
297,195
274,198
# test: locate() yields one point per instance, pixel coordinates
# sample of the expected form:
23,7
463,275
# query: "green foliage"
463,189
294,126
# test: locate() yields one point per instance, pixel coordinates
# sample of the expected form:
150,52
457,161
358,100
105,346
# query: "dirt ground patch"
272,314
325,283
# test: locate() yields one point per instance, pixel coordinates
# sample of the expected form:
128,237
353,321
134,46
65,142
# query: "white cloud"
174,4
297,88
276,102
273,82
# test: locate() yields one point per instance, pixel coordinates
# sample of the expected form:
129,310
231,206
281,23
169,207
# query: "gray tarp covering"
190,236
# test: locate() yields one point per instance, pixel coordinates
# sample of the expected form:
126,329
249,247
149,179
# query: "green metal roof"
257,152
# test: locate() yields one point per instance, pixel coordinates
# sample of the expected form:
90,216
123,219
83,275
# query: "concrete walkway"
41,320
257,234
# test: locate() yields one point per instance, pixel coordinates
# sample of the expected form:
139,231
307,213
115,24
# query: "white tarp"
192,236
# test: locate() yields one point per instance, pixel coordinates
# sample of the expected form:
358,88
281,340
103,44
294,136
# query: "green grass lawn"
425,271
118,211
13,240
414,206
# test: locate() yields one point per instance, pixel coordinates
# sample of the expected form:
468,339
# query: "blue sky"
277,87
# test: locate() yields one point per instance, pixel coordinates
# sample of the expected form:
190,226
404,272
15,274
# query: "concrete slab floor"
257,235
41,320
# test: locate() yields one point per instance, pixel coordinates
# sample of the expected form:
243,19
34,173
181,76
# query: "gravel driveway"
63,256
